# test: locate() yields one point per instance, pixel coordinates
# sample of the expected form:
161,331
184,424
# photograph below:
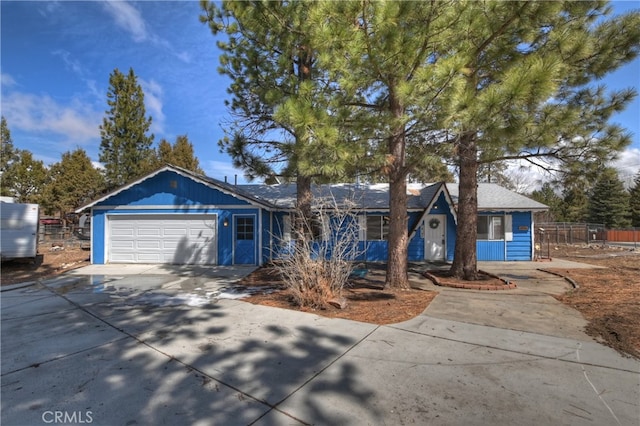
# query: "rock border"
508,285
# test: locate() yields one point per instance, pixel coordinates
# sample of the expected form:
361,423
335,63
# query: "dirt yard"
367,301
51,261
608,298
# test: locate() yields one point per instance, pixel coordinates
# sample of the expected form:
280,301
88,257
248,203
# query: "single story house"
176,216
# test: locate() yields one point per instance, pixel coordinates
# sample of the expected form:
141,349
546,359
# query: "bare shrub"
318,262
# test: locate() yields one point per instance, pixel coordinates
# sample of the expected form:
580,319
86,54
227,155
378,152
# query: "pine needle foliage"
125,146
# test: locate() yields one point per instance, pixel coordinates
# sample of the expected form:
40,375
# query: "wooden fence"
624,235
583,233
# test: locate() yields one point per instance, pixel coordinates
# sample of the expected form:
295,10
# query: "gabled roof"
364,196
495,197
224,187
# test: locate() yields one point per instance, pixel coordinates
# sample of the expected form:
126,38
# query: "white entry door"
434,236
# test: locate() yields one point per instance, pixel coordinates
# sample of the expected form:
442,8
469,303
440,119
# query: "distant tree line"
602,199
126,154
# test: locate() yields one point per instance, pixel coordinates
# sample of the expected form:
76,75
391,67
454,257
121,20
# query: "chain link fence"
57,234
571,233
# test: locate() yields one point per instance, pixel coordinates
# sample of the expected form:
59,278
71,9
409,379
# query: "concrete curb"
567,279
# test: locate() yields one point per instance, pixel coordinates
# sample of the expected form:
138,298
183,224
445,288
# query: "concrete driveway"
155,345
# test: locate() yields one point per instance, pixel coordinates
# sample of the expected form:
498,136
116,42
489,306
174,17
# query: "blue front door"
244,251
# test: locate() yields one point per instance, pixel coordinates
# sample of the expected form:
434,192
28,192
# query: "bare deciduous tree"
316,265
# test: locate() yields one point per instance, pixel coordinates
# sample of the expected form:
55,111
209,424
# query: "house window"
286,228
377,228
320,228
244,228
491,227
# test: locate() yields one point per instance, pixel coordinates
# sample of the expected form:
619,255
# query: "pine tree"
493,80
547,195
380,61
180,154
278,95
72,182
521,92
494,172
8,155
164,152
575,205
125,148
609,201
634,201
25,178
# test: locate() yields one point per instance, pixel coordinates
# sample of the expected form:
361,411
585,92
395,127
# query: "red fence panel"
624,235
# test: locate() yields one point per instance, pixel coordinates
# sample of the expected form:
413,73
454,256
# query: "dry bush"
319,260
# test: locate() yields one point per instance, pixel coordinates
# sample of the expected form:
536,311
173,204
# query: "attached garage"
185,239
174,216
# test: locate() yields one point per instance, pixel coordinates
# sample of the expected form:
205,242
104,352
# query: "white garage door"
171,238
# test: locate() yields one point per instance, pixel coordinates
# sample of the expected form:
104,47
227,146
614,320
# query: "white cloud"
221,169
78,69
71,64
184,57
528,177
628,165
128,18
78,122
7,80
49,8
153,95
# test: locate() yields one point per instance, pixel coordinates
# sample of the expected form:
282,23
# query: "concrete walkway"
160,347
530,307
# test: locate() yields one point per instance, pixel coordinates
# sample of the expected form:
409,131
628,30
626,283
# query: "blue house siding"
225,238
520,248
415,248
98,227
490,250
171,189
265,235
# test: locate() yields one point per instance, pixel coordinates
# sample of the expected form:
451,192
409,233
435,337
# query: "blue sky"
56,57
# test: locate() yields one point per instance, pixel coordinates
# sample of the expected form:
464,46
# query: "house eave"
186,174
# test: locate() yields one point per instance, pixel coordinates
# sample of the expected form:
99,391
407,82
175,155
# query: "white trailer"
18,230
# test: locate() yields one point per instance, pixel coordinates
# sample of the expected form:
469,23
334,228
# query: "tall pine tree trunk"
304,197
397,263
465,265
303,217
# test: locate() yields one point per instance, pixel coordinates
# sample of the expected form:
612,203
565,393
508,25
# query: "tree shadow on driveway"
87,354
